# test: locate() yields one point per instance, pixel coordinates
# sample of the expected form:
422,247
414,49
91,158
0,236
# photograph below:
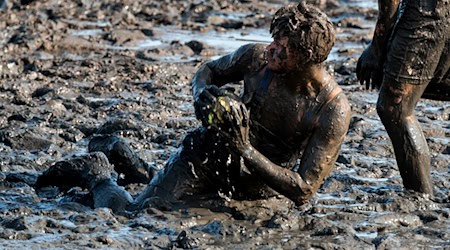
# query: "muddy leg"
395,107
439,87
126,162
83,171
92,172
168,186
439,91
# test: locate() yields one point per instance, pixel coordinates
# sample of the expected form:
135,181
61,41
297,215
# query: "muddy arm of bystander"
369,69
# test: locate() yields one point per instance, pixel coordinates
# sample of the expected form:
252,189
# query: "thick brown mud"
72,69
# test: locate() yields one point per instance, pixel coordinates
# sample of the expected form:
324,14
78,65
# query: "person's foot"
130,167
82,171
108,194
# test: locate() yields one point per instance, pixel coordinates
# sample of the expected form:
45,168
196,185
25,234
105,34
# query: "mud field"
73,69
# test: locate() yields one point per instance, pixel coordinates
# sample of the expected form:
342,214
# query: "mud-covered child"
282,135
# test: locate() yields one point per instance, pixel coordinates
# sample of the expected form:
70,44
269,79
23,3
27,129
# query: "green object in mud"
210,118
222,105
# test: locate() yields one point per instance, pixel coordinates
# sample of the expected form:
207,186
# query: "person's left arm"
323,148
318,158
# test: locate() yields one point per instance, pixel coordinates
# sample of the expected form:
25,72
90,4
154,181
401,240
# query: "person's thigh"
418,43
184,173
439,87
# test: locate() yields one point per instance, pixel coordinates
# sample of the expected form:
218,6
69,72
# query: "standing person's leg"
395,107
417,46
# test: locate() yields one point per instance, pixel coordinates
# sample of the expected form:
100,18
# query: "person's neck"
310,80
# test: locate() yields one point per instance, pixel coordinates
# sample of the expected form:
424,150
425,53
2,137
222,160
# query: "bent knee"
393,101
387,111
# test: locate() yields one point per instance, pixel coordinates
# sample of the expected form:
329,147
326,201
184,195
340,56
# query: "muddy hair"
306,27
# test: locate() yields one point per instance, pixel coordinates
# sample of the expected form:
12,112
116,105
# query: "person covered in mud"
281,136
408,58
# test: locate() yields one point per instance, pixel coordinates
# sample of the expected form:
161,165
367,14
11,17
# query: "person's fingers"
202,106
207,99
245,115
361,74
223,92
374,79
358,69
202,110
367,78
206,95
230,90
227,116
237,115
377,79
244,131
214,90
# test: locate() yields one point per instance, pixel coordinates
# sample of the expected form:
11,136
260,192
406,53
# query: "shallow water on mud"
224,42
77,86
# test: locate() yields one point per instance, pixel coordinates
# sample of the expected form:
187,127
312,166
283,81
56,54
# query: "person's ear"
308,55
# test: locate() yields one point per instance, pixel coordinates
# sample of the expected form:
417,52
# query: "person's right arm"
369,67
227,69
387,16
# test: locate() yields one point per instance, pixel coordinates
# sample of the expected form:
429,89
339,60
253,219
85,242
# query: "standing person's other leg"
417,45
395,107
439,87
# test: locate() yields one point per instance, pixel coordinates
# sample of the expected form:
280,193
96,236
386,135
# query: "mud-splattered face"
279,57
309,30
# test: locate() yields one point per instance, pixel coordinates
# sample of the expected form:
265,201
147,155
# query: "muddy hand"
238,132
205,102
369,69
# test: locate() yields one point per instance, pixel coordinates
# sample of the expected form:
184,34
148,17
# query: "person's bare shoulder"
337,115
259,59
251,56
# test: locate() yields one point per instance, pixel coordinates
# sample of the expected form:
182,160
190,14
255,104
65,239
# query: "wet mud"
73,70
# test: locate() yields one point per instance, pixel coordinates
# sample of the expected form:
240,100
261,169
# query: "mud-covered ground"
73,69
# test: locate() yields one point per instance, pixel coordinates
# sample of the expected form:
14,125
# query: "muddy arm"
227,69
317,162
324,145
282,180
369,68
387,16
